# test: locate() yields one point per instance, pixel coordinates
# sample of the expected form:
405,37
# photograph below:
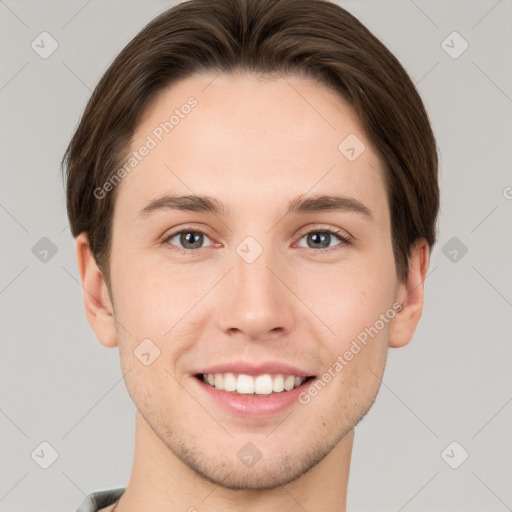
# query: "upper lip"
254,369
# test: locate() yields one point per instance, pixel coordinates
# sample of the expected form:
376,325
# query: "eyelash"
344,239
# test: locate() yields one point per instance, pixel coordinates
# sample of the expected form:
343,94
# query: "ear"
98,306
410,295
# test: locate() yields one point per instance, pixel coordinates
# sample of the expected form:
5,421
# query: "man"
253,191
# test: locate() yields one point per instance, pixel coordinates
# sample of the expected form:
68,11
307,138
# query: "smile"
243,384
252,396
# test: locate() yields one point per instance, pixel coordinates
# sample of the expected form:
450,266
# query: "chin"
263,476
274,469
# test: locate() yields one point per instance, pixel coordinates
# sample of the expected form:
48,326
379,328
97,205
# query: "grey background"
452,383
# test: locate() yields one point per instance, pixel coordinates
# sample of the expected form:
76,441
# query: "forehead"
250,140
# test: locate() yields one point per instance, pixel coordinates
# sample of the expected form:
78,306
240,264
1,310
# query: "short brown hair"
314,39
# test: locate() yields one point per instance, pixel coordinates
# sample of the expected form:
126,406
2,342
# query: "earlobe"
411,296
98,306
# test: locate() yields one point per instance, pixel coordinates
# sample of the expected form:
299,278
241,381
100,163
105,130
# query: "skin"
254,144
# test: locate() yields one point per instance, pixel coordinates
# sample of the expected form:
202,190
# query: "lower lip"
254,405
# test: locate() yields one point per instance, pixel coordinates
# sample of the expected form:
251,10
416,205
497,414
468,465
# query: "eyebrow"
331,203
192,203
196,203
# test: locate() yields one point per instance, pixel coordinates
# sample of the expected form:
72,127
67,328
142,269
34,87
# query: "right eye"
187,240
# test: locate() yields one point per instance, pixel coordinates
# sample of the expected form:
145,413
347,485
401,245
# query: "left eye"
322,239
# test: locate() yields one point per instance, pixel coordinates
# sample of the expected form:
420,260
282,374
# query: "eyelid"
194,229
326,228
344,237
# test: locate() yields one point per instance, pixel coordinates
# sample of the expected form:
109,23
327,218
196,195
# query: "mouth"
256,385
252,396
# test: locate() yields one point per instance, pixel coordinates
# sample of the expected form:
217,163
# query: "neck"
161,482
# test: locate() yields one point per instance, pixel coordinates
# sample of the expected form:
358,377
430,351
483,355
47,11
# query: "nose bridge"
256,301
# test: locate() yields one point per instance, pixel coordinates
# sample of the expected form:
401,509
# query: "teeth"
278,384
229,382
247,384
244,384
263,385
289,382
219,381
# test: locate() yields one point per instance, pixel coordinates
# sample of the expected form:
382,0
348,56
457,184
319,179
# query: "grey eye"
188,239
319,239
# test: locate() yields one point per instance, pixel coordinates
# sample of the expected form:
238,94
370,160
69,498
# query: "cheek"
150,298
356,303
349,298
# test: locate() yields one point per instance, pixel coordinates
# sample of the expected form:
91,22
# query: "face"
260,293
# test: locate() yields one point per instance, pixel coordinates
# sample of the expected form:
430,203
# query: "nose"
256,303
